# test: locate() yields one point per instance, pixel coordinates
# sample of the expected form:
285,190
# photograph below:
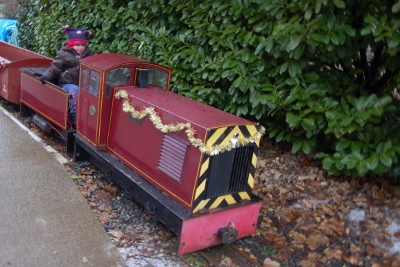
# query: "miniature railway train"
191,166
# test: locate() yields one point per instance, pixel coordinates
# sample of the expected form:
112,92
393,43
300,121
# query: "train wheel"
108,175
128,191
151,210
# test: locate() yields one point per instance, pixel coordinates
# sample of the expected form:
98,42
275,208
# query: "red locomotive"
191,166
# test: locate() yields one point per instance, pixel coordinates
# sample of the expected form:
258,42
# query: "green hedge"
320,74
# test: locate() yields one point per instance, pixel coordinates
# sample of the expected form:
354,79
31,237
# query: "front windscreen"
158,77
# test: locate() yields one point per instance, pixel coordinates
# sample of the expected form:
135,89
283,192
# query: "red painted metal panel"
10,84
48,100
139,146
16,53
88,118
183,108
201,232
17,58
104,120
88,113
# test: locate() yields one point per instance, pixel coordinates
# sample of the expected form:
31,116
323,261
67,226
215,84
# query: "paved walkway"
44,220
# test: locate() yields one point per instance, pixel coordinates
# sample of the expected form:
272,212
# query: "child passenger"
66,64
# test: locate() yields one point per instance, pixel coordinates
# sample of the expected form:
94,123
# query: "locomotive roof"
109,60
191,110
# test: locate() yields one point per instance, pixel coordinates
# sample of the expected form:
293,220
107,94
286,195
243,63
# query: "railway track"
229,256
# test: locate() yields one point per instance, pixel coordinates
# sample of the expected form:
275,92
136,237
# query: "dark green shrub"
320,74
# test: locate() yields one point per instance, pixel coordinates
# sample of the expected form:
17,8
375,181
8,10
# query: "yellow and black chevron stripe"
216,137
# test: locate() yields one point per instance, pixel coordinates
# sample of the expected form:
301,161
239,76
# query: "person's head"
77,38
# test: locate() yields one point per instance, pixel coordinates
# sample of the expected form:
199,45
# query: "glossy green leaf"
367,30
280,136
292,120
349,30
305,146
294,42
342,144
350,161
396,7
339,3
385,160
308,121
296,146
308,13
372,161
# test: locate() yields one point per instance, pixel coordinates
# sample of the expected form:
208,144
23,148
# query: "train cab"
100,74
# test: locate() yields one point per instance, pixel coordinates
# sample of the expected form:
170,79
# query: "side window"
115,77
84,84
94,83
158,77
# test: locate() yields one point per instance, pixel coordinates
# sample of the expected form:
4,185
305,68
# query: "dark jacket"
66,66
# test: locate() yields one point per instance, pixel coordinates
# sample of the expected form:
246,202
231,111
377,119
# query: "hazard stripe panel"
217,137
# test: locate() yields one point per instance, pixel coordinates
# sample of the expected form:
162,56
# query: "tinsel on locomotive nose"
190,132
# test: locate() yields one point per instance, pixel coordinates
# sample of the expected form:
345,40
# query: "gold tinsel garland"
169,128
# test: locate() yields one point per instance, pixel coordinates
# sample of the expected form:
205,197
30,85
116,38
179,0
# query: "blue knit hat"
76,36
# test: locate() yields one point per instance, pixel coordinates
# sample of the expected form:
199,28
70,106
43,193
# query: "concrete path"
44,220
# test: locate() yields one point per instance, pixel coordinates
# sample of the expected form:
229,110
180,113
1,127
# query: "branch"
375,63
360,77
364,66
380,84
345,69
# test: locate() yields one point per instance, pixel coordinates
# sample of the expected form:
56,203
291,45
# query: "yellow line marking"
250,181
215,136
202,204
228,198
200,189
244,195
254,160
204,166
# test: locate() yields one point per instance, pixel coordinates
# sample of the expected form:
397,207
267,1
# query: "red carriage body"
12,58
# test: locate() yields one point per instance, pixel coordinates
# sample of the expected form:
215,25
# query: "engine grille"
241,169
229,172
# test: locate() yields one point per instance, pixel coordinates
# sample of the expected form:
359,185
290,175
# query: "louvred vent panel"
172,157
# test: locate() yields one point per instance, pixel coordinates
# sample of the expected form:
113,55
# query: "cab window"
85,75
116,77
94,83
